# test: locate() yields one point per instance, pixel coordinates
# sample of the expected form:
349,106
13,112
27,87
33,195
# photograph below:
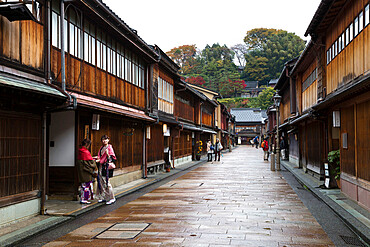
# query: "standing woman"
86,167
218,148
209,150
106,155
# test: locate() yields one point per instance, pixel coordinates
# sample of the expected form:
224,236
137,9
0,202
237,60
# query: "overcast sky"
171,23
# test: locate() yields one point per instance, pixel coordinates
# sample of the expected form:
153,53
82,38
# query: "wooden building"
341,31
188,103
331,79
248,123
210,116
107,67
26,97
161,145
288,111
225,133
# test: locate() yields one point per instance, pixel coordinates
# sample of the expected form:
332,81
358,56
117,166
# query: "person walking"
218,148
283,148
256,141
265,147
210,149
106,158
86,170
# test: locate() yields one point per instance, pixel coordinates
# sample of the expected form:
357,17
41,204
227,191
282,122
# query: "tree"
264,99
268,50
195,80
257,37
184,56
212,68
230,87
240,51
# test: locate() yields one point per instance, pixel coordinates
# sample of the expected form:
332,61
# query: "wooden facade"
115,84
22,43
24,98
330,82
184,109
183,144
156,139
20,157
350,59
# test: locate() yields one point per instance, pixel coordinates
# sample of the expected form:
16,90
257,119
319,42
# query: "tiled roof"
248,114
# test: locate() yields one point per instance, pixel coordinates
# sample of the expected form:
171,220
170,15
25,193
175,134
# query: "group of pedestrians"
214,149
265,147
100,168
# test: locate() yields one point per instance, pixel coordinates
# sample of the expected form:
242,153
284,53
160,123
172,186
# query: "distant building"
251,90
248,123
272,82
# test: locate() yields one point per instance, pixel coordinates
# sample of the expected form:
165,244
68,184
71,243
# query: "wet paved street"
237,202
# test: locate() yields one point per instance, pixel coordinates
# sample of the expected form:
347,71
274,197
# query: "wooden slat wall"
20,153
183,110
23,42
95,81
315,146
285,107
352,61
303,145
299,93
309,96
206,119
127,145
156,143
165,106
293,145
347,156
224,124
182,144
362,139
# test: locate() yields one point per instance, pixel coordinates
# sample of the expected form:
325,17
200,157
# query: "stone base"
356,189
125,178
19,211
294,160
182,160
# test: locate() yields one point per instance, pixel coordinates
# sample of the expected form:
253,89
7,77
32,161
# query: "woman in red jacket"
86,169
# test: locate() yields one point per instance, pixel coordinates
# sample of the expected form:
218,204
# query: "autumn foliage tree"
185,57
198,80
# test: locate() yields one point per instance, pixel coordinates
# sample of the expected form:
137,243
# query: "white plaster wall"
62,133
294,160
183,160
19,211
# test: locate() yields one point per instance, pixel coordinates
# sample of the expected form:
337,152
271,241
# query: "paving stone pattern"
237,202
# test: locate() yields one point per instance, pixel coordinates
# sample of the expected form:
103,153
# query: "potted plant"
199,149
334,161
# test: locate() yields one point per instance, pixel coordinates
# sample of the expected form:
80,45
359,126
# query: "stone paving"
237,202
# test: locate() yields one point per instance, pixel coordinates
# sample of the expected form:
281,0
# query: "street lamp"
277,100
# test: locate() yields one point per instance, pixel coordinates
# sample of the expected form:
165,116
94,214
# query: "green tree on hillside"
264,99
268,50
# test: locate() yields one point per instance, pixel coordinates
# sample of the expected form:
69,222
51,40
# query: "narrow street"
237,202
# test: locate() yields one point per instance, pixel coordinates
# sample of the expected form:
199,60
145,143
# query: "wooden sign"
87,132
336,118
95,122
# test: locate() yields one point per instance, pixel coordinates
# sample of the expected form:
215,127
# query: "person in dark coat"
87,171
218,147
